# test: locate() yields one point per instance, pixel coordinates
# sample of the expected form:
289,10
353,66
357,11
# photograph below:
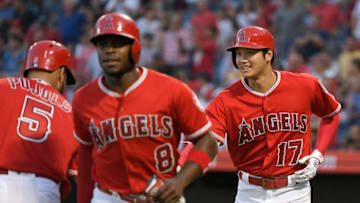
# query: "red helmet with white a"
252,37
122,25
49,55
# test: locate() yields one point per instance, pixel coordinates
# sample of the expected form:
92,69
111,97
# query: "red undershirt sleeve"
327,132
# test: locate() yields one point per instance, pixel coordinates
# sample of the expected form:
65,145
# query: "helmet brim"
248,45
97,37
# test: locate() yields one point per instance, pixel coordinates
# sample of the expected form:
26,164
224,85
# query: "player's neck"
264,82
121,84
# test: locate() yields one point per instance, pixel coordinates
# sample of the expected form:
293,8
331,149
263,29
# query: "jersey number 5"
35,120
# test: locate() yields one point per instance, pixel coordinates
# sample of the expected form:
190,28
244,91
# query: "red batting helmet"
253,37
49,55
119,24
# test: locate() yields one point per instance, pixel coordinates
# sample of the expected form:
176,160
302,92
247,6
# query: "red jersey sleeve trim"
218,138
200,131
82,141
334,112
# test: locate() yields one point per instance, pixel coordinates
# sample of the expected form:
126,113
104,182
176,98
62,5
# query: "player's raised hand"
312,163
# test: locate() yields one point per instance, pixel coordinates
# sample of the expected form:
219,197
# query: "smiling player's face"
252,62
114,54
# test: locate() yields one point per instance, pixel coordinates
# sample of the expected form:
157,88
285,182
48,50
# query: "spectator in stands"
352,142
22,13
203,19
149,23
42,29
289,24
247,14
312,40
148,51
204,54
226,25
266,10
352,103
329,14
71,23
13,57
176,46
295,63
324,68
349,52
129,7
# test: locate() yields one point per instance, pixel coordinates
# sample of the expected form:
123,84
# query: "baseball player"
37,143
129,122
266,118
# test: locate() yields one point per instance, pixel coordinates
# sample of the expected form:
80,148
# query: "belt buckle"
263,183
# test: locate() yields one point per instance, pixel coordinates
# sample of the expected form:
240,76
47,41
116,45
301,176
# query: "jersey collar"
277,82
130,89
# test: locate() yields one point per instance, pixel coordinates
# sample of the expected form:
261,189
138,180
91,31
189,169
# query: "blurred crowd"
188,40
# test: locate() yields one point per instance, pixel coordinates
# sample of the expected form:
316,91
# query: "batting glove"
312,162
154,184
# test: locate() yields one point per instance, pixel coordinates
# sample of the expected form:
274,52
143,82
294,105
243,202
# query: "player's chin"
116,72
247,73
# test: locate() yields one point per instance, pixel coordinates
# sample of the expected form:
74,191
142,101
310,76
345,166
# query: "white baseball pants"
102,197
27,188
294,193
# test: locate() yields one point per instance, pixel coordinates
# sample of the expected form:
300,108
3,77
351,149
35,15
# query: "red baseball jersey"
136,134
36,130
267,133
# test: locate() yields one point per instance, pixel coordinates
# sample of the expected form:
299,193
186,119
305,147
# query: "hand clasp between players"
165,190
312,163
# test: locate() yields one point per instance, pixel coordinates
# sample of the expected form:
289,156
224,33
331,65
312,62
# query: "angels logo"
241,36
109,23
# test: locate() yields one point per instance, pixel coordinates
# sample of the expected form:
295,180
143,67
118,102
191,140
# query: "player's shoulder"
3,80
236,87
299,79
163,80
297,76
86,90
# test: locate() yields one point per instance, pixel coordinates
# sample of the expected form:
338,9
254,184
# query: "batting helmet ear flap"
136,51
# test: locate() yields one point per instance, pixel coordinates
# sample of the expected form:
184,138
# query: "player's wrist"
201,158
318,155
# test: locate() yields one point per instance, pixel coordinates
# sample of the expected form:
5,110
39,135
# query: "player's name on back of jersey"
38,89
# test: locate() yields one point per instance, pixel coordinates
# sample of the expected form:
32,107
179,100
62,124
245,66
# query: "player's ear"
61,77
269,55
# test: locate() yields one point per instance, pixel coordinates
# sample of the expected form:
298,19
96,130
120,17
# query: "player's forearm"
327,132
192,169
207,143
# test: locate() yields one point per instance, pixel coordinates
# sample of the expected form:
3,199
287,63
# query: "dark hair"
264,51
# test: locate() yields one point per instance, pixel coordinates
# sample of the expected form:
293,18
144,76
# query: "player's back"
36,128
